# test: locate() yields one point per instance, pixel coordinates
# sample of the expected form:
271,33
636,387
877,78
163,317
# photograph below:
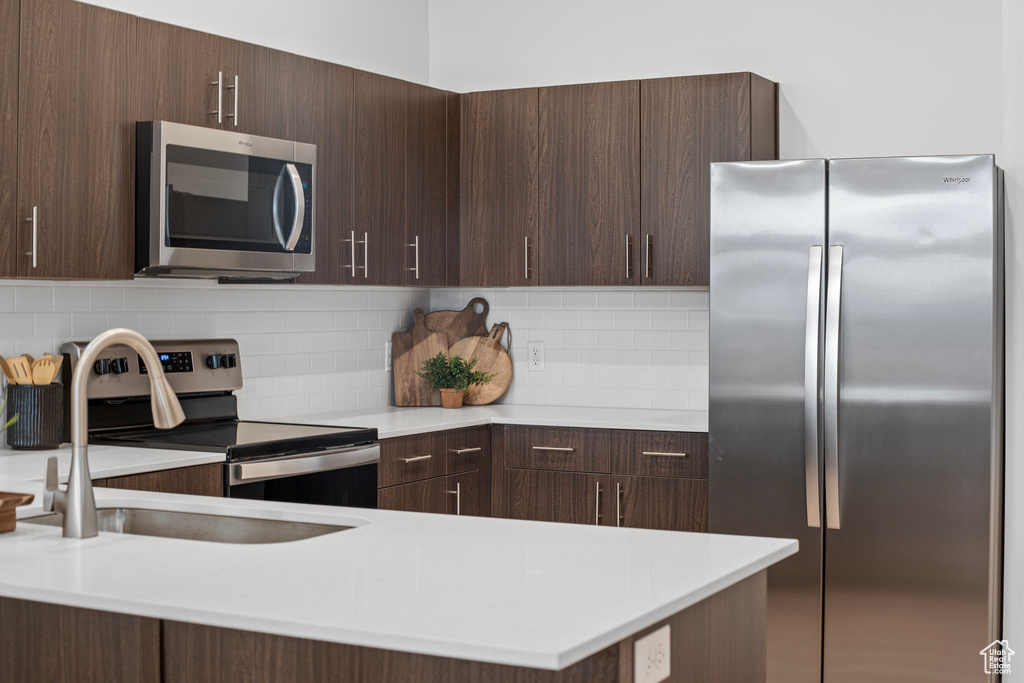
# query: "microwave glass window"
219,200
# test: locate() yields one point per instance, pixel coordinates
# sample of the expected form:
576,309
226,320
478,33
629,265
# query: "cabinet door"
425,262
467,494
9,216
409,458
202,480
429,495
659,454
380,105
558,496
498,171
686,124
589,184
660,503
323,116
75,132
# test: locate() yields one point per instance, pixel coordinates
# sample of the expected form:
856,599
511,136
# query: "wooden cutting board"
410,350
8,503
458,325
491,357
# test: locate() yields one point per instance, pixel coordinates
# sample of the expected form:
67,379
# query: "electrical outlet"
535,356
389,357
652,656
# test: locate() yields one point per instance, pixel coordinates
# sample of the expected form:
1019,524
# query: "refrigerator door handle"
835,284
812,337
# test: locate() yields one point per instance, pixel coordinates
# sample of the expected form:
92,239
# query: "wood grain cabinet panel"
410,458
10,12
589,184
468,494
499,188
469,449
686,124
569,497
659,454
557,448
201,480
75,138
660,503
429,495
424,251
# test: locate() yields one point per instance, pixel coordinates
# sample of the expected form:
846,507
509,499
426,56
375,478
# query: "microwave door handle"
300,208
276,207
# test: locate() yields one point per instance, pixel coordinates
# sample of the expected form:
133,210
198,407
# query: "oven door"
345,477
224,202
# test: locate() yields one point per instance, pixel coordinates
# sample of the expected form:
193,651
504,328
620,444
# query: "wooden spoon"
43,371
22,367
8,372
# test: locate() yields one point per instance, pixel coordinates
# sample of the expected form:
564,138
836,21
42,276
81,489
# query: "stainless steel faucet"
77,502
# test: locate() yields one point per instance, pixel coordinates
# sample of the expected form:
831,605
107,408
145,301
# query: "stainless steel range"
296,463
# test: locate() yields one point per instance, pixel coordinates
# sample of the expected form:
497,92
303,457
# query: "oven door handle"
291,466
289,243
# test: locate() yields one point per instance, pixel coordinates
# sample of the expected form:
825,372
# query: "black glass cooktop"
239,439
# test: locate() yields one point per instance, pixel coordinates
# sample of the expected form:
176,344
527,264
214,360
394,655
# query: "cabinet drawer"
411,458
557,448
468,448
660,503
430,495
659,454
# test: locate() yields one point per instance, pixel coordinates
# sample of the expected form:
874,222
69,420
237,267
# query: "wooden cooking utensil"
8,503
43,371
458,325
8,372
410,349
22,369
491,357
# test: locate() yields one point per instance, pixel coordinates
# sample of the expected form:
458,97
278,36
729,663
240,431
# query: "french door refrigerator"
856,373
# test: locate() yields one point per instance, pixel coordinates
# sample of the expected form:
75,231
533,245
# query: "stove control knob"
119,365
213,361
102,366
228,360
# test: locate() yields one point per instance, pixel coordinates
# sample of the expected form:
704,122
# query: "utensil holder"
40,411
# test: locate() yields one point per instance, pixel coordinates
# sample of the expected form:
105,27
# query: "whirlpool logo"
957,179
248,143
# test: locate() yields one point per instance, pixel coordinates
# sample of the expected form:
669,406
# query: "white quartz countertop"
392,422
531,594
104,461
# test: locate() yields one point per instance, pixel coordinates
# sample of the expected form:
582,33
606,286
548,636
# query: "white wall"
864,78
384,36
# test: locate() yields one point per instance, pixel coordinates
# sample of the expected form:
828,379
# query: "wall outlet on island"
652,660
389,357
535,355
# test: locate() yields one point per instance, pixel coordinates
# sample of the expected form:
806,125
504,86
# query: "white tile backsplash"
305,349
602,347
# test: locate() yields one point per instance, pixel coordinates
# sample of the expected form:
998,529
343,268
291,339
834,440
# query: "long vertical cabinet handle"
629,257
234,113
526,258
352,243
812,375
416,263
458,498
366,254
648,248
218,112
618,504
34,220
835,284
597,504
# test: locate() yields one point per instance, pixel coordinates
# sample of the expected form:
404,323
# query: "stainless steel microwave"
217,203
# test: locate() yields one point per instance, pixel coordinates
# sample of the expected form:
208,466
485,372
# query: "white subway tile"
321,320
273,408
689,299
133,320
153,324
669,400
367,320
575,299
689,379
171,299
633,358
346,361
615,299
358,300
274,365
357,340
32,299
377,299
561,320
273,321
322,402
286,342
562,356
285,385
698,359
345,320
310,342
345,400
699,320
633,320
597,320
579,339
321,362
509,299
545,299
614,339
651,300
669,359
311,383
689,340
86,325
297,321
370,359
562,396
297,405
650,339
597,358
53,325
66,298
7,298
698,401
633,398
598,398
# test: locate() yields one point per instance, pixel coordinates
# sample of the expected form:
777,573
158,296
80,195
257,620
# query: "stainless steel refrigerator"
856,404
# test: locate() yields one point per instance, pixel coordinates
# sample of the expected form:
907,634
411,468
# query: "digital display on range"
176,361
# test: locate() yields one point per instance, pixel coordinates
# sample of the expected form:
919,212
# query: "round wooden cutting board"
491,357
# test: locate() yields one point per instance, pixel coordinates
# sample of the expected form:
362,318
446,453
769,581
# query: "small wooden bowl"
8,514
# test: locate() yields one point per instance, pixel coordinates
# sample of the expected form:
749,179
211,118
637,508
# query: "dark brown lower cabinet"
551,496
660,503
419,496
201,480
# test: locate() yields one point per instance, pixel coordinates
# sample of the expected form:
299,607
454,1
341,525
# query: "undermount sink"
198,527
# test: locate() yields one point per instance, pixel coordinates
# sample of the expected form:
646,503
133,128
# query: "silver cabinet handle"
554,448
597,505
416,245
300,207
220,97
416,459
618,504
234,114
275,468
664,454
34,220
352,241
648,270
366,254
835,283
526,258
812,336
629,257
475,449
458,497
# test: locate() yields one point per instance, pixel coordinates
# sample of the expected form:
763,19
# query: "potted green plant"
453,376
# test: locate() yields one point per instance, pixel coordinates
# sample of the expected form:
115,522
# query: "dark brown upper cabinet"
376,255
75,133
498,231
425,250
589,184
9,20
686,124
